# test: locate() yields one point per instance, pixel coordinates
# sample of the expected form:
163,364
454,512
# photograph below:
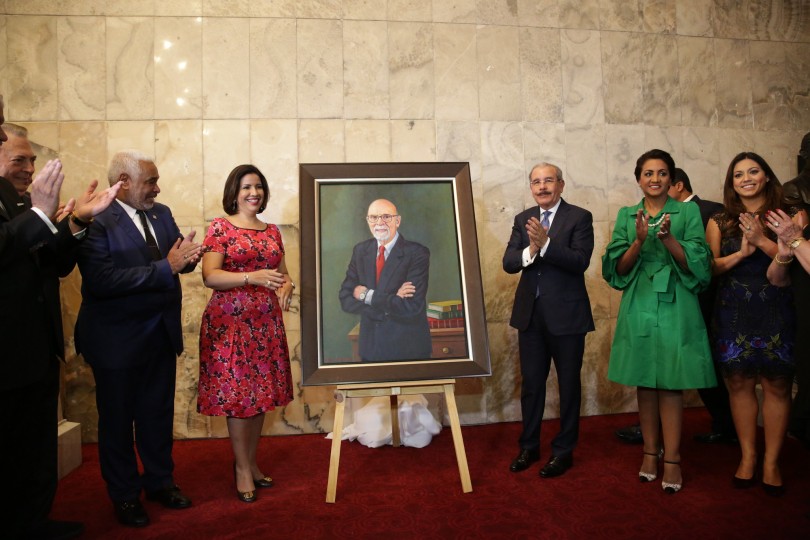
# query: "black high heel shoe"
244,496
649,477
773,491
744,483
263,482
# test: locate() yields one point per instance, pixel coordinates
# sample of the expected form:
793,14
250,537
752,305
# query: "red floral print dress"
244,360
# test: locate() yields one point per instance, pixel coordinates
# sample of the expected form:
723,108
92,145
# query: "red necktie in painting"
380,262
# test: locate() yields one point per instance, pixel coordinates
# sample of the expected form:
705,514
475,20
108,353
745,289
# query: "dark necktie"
151,243
380,262
545,222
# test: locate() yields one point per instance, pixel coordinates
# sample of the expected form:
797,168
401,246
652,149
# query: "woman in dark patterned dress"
754,325
244,361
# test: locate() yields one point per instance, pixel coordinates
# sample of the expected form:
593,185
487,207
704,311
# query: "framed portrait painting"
390,275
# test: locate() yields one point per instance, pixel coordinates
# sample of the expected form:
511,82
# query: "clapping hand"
641,225
184,252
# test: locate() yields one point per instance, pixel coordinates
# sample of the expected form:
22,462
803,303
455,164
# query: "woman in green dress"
659,258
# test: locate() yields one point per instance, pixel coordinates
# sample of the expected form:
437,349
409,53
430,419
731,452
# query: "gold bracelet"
783,263
246,279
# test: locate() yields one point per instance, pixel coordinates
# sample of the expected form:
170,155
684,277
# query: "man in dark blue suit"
551,245
129,331
35,251
386,284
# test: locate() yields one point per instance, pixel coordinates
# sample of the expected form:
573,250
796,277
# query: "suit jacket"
707,209
127,299
32,259
560,274
391,328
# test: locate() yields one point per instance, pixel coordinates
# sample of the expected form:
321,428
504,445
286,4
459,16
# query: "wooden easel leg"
458,441
334,458
395,422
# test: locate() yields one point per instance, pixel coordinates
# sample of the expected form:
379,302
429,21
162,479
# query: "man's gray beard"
382,237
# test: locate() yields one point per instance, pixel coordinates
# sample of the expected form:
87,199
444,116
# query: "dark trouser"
717,403
28,453
537,349
139,397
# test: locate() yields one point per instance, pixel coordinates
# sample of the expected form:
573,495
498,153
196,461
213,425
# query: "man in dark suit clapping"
551,245
129,331
35,251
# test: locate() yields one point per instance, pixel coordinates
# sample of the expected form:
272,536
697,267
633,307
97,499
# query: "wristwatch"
363,295
795,242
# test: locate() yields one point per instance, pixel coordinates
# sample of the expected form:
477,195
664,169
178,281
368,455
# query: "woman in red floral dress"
244,361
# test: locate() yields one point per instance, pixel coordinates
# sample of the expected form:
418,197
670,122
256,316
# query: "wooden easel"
394,389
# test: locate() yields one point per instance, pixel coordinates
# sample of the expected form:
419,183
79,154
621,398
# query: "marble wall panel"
731,143
413,140
729,19
320,68
460,11
226,8
499,73
370,10
32,68
225,145
541,75
410,10
622,81
461,141
661,91
4,57
694,18
779,20
502,160
733,84
581,14
130,68
274,149
365,69
80,65
797,66
501,391
769,86
624,144
129,135
779,149
83,152
319,9
543,143
624,15
123,8
179,8
582,77
701,161
178,150
226,68
272,8
669,138
585,151
321,141
81,7
542,13
411,78
456,74
178,67
697,75
659,16
599,291
497,12
368,140
272,68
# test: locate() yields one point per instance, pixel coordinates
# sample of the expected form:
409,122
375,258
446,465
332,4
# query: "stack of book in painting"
445,314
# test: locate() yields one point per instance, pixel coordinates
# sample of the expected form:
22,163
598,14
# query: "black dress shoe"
630,434
524,460
131,513
716,438
264,482
170,497
55,530
557,466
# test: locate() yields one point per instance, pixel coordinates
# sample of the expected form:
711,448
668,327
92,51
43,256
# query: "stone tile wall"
587,84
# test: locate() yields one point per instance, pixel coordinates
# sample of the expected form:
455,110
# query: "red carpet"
416,493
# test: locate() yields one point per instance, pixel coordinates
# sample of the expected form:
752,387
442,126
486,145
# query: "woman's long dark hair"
733,203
